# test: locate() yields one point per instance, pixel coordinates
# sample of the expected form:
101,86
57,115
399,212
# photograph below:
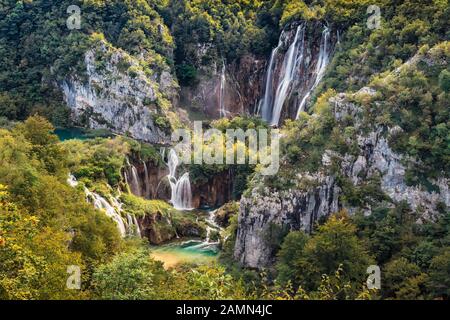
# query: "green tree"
131,275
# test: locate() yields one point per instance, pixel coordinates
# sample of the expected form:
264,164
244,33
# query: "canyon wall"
117,94
226,89
301,209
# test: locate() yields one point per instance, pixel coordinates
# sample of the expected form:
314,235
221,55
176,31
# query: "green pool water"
80,133
191,251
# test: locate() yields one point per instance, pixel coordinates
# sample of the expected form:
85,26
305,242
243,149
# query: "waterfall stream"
266,105
222,111
135,186
292,57
322,63
112,209
181,195
296,62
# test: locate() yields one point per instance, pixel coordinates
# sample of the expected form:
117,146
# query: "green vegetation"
38,50
46,225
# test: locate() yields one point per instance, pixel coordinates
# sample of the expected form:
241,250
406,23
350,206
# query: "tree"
402,280
439,275
291,260
33,260
334,246
131,275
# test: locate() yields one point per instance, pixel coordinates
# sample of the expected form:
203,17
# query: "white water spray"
321,66
223,82
181,196
293,56
266,107
112,209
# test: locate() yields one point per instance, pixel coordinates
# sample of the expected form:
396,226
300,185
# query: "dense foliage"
46,225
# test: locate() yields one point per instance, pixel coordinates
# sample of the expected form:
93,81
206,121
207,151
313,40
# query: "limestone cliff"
320,196
118,93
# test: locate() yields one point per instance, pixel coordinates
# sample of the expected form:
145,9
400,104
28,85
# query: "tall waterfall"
293,56
322,62
181,196
222,111
295,75
266,107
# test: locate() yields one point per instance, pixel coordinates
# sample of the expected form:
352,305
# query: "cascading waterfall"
112,212
133,225
112,209
293,56
211,226
266,107
222,111
295,63
181,195
321,66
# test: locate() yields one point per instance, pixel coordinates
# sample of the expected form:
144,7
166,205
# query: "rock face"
299,210
118,95
290,210
296,67
214,192
233,88
148,180
377,158
158,228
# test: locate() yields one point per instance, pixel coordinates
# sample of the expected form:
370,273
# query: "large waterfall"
266,107
181,196
293,56
322,62
300,73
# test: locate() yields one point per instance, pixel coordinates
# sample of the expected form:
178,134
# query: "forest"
102,203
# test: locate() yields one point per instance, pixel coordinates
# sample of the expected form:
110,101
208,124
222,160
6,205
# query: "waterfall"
293,74
112,209
211,226
135,186
321,66
181,195
72,181
266,107
146,180
133,226
222,110
289,67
